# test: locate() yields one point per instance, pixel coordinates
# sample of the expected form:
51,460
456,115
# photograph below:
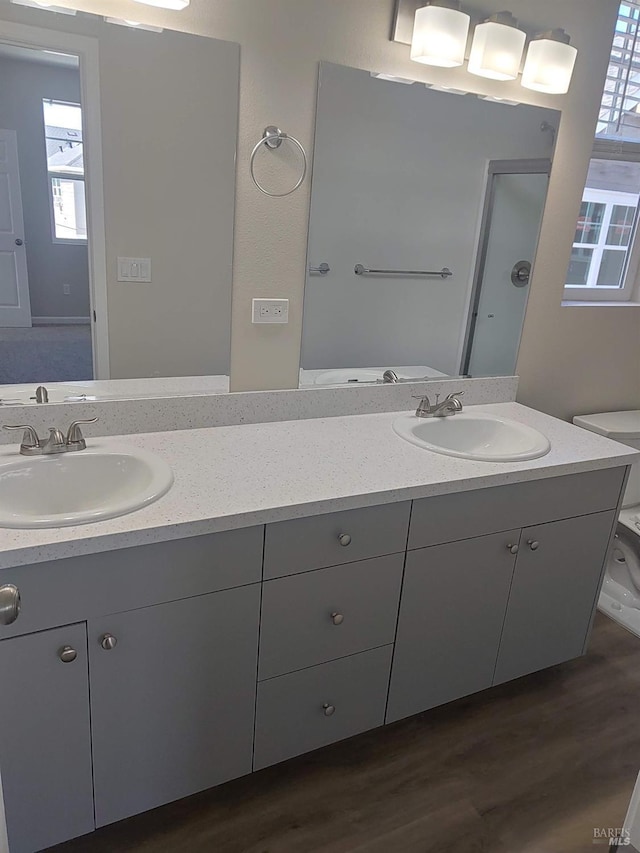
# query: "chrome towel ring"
273,138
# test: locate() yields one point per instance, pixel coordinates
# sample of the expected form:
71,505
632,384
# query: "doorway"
514,206
45,292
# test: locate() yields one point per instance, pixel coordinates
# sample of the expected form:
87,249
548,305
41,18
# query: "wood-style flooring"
528,767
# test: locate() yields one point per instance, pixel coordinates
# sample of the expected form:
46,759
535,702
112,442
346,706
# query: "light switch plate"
134,269
270,311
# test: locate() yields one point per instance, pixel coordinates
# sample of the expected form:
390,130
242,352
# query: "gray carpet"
45,354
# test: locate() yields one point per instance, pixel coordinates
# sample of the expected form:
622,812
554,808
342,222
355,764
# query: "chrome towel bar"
445,272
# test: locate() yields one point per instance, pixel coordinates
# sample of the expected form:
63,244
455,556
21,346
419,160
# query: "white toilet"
620,596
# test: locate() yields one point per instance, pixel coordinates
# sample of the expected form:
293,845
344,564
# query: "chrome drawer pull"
533,544
513,549
337,618
108,642
67,654
10,604
329,710
344,539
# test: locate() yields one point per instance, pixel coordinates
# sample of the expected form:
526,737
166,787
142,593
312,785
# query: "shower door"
516,197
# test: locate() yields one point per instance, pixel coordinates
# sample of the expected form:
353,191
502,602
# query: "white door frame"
86,49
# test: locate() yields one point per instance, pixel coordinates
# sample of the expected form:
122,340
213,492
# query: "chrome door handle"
513,549
329,709
337,618
533,544
10,604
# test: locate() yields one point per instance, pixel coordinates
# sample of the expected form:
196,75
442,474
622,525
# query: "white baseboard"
60,321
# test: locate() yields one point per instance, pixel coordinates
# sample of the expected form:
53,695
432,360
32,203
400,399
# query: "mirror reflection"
116,207
425,215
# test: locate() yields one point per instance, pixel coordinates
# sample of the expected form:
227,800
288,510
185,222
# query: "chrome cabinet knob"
10,604
329,709
513,549
337,618
67,654
533,544
344,539
108,642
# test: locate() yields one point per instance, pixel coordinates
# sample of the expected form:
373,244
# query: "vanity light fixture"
551,59
41,4
440,34
135,25
498,45
447,89
392,78
174,5
495,100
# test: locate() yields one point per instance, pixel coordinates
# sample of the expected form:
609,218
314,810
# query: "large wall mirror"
117,190
425,215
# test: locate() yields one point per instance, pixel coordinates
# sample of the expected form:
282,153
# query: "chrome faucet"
42,395
451,405
390,377
56,443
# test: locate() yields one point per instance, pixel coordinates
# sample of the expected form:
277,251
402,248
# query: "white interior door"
15,307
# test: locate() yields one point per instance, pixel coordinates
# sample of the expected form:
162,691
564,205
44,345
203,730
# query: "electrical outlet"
66,289
270,311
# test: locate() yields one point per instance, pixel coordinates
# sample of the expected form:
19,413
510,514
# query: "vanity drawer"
339,537
318,706
78,588
462,515
318,616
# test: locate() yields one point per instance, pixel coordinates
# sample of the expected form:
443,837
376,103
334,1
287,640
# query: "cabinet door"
555,587
452,609
173,700
45,748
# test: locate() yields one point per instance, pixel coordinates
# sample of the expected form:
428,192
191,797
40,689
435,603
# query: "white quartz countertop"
239,476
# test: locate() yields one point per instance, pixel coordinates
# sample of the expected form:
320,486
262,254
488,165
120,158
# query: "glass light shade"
497,51
175,5
440,36
549,66
43,4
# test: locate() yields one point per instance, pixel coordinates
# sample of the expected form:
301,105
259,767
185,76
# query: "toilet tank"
625,428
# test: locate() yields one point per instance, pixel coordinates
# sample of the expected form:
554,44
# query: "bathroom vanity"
344,580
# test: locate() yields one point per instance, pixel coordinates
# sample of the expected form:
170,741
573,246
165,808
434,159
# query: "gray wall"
399,180
50,265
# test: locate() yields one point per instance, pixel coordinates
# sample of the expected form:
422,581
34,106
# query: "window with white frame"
606,250
65,167
602,245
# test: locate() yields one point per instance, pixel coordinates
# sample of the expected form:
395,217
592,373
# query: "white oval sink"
81,487
479,436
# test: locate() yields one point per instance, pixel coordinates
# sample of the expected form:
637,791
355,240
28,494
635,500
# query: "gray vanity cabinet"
45,747
453,603
553,595
173,692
